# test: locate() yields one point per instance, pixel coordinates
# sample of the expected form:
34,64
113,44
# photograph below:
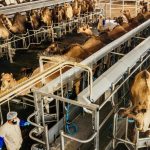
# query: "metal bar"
124,141
34,124
92,107
47,137
96,124
32,137
117,53
117,70
27,99
30,5
62,140
79,140
137,37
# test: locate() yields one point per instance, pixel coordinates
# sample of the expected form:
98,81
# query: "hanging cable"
71,128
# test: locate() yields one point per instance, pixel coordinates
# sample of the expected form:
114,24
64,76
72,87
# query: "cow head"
53,48
5,20
85,29
6,81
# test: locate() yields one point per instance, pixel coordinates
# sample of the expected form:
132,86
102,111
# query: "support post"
62,140
96,124
36,104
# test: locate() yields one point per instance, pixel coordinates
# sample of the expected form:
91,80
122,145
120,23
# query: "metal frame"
116,71
144,49
113,3
30,5
26,85
50,97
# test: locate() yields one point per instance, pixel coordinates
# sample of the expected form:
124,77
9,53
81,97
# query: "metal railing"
100,54
109,99
32,37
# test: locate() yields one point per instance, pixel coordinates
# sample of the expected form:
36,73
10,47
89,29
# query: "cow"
58,14
4,32
84,8
46,16
76,8
34,19
8,82
18,25
120,20
85,29
134,22
107,35
140,99
68,11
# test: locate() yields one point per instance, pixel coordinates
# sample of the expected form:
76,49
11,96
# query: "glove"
26,124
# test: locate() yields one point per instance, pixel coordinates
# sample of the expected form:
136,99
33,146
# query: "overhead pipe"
12,9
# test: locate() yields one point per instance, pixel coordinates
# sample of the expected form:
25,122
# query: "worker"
10,132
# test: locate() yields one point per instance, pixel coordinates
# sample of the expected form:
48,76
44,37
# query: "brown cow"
57,59
124,24
68,11
84,8
85,29
8,81
35,19
4,32
17,26
58,14
76,8
46,16
140,92
136,20
112,35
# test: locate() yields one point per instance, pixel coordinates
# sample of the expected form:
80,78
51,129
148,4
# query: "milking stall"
75,74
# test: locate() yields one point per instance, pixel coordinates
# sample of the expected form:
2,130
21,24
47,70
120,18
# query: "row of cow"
34,19
81,51
141,87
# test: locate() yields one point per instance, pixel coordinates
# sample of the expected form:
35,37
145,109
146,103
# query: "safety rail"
30,5
118,69
51,97
24,86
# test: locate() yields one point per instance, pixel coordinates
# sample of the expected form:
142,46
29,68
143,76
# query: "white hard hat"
11,115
